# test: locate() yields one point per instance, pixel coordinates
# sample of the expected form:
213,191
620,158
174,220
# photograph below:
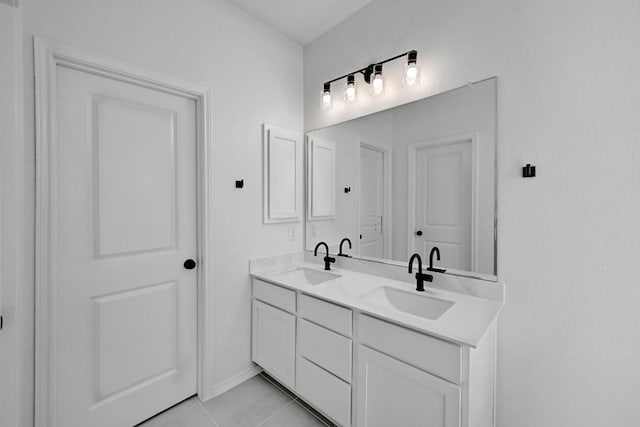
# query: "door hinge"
1,322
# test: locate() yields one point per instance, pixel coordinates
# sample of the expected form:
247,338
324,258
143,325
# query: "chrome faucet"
327,260
431,268
420,277
346,239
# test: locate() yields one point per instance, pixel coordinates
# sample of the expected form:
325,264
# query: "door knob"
189,264
419,233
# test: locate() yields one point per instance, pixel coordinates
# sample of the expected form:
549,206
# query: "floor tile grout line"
274,414
206,412
295,399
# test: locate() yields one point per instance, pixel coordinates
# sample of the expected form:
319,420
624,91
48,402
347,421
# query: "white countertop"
464,323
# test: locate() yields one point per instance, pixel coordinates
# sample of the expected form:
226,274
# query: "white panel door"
125,312
371,202
392,393
444,203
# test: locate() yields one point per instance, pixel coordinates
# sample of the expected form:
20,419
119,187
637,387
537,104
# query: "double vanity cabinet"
354,365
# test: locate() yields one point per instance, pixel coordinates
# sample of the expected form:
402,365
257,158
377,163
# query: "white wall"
568,240
255,76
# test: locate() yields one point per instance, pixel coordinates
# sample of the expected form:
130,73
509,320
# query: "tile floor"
259,401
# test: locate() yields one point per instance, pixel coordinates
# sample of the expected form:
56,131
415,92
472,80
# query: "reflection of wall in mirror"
373,130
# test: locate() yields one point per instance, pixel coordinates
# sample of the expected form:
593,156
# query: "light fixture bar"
369,68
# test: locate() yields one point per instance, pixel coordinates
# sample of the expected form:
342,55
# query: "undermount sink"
412,303
307,276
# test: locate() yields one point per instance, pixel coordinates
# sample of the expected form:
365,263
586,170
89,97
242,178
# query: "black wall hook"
347,189
240,184
528,171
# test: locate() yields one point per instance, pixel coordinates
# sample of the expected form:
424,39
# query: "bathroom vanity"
360,343
370,351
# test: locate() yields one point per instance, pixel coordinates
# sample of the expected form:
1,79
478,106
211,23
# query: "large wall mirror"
410,178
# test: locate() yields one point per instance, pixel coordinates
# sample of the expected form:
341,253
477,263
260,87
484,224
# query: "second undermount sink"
306,276
412,303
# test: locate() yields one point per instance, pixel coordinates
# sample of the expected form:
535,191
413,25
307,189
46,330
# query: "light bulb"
411,71
411,74
350,91
326,100
326,97
377,84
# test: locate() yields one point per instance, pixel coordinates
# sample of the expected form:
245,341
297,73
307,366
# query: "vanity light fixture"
411,71
350,90
377,84
373,76
327,102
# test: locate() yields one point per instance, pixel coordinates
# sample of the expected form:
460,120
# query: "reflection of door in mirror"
444,201
372,199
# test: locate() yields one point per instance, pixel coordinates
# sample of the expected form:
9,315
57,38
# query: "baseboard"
235,380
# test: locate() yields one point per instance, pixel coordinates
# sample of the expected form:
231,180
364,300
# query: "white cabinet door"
274,333
282,152
392,393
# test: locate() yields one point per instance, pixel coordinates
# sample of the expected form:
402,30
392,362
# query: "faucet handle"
420,279
424,276
328,260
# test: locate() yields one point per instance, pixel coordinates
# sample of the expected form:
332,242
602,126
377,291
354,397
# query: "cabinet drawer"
439,357
324,313
324,391
326,349
275,295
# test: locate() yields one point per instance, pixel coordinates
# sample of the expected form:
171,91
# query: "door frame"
48,55
411,188
386,197
15,357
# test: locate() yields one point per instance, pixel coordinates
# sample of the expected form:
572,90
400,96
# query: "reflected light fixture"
350,90
327,102
372,75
